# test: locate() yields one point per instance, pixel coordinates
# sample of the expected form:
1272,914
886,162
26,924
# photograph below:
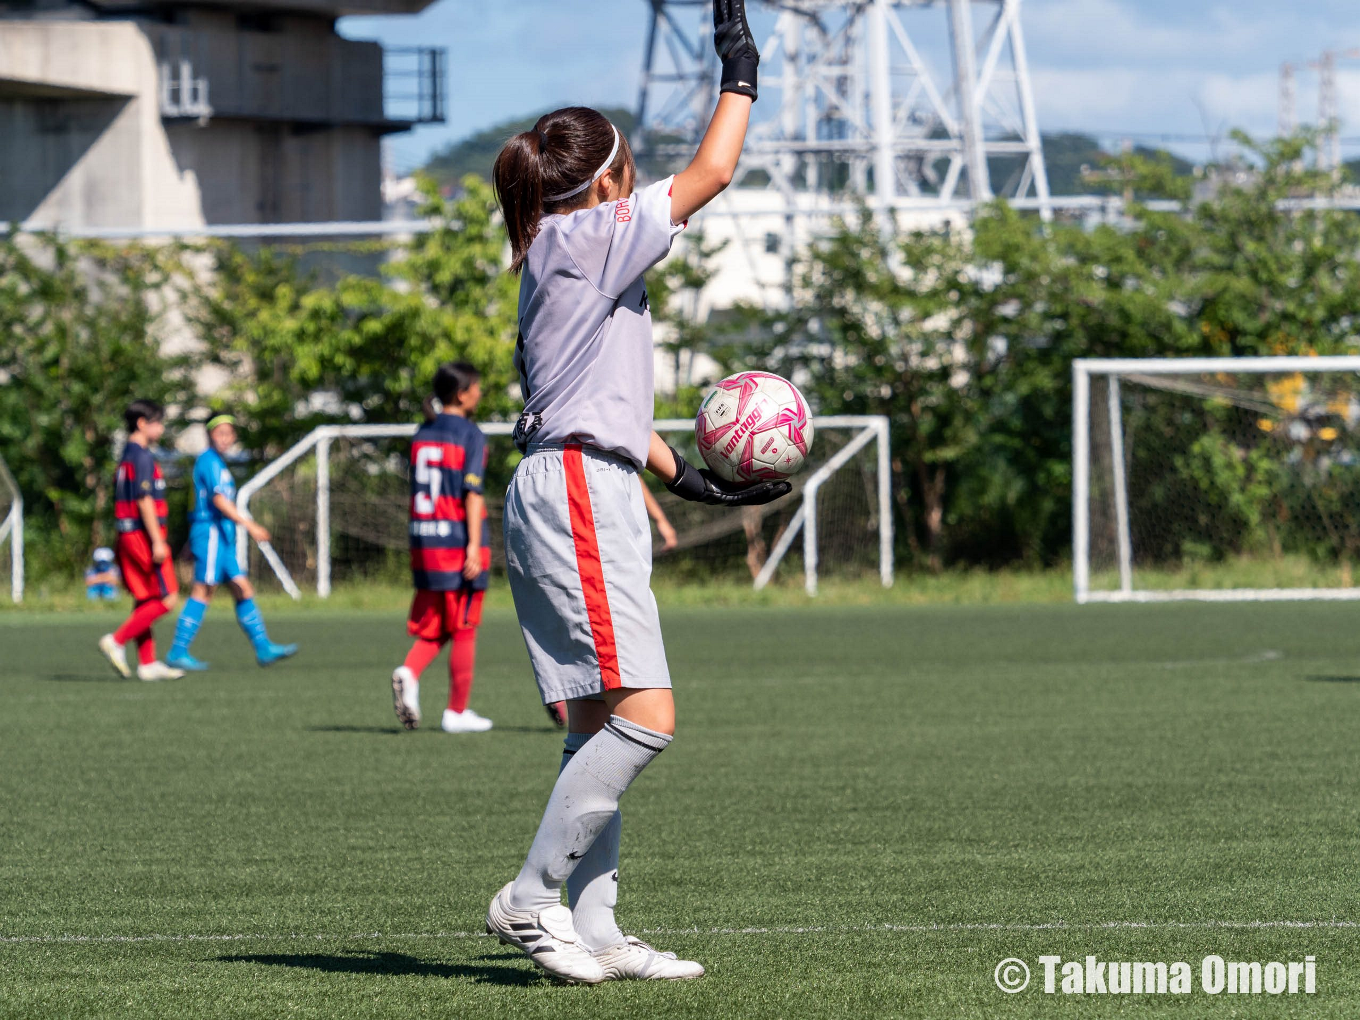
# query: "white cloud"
1160,65
1092,31
1247,101
1098,65
1178,101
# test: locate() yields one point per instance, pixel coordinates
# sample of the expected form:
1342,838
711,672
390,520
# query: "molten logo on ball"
754,426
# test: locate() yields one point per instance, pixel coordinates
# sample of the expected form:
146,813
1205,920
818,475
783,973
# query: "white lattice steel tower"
1288,101
1329,107
857,105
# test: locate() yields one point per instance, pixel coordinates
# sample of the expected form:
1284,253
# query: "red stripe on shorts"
588,565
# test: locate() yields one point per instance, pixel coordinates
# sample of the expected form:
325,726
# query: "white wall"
106,156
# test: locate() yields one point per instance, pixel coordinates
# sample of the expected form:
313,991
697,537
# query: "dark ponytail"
450,379
562,152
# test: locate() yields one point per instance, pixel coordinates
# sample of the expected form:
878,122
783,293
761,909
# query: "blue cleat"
271,653
185,662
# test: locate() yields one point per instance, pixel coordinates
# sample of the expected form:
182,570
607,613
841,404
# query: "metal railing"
414,80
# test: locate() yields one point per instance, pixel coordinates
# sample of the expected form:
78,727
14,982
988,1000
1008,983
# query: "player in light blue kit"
212,539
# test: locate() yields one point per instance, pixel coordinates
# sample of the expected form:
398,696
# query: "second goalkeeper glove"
705,487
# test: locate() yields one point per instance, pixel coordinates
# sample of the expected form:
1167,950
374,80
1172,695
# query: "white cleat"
466,721
406,697
634,960
116,654
547,936
158,671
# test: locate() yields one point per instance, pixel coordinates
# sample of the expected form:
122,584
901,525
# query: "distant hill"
1065,155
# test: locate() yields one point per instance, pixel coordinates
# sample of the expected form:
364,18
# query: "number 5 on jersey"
428,479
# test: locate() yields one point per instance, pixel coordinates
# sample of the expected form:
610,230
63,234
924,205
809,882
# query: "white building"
179,114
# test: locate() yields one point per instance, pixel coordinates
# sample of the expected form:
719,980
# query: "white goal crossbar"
1113,369
867,429
12,529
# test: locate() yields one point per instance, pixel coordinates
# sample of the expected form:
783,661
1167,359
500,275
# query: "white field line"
909,929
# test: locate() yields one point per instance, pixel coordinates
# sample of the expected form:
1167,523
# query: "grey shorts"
578,550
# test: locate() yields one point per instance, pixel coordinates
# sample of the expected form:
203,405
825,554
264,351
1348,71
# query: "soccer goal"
336,506
1217,479
11,532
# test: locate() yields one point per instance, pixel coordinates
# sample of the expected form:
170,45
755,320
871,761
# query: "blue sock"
190,619
248,616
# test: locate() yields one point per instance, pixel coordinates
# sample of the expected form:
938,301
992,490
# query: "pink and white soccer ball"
754,426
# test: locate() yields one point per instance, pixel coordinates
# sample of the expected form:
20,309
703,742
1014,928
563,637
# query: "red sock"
140,621
146,649
422,653
461,659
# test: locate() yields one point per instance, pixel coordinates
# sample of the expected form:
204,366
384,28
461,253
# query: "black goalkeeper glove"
736,48
705,487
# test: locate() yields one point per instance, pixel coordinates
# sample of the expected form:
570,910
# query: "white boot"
406,697
633,959
466,721
116,654
158,671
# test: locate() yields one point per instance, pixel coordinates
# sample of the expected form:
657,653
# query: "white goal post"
860,430
12,530
1255,461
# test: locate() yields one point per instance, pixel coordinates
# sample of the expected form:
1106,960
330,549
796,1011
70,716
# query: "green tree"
674,292
965,339
300,352
873,330
1141,172
1273,273
82,331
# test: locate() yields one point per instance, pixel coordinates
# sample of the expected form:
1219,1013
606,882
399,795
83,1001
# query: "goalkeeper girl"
577,542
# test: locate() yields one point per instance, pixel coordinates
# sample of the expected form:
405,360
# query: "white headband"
598,173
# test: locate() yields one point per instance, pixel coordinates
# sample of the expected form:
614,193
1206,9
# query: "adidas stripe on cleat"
546,936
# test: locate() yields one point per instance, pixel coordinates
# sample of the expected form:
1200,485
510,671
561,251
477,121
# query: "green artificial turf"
894,799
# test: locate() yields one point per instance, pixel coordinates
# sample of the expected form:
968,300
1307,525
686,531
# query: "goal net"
1223,479
336,506
11,535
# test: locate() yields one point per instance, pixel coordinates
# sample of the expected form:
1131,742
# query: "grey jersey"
585,328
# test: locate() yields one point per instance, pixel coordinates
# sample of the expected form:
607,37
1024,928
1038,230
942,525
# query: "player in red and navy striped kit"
142,551
449,548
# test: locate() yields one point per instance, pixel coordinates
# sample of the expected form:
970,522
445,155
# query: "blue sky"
1180,67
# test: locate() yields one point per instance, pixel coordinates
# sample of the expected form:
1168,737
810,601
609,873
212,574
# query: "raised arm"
714,164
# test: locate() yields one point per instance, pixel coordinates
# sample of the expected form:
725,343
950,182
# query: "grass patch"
875,785
975,587
910,588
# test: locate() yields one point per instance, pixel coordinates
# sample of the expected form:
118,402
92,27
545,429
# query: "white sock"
593,888
583,802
